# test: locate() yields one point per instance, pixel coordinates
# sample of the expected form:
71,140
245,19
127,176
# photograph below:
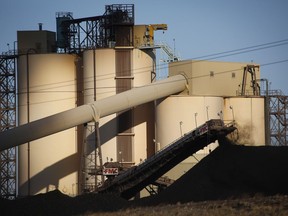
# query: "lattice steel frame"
7,121
278,118
97,31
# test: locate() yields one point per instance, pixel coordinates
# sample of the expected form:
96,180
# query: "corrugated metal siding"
124,36
125,137
124,119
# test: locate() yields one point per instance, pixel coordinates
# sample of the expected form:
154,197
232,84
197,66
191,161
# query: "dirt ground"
253,206
231,180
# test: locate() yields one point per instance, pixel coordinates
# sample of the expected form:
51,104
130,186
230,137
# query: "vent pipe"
40,26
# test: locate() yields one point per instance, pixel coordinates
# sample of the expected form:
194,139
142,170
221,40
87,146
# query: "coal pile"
56,203
229,172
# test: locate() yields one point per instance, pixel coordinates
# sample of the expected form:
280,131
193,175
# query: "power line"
109,92
165,66
248,49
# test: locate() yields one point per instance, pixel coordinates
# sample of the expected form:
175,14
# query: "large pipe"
91,112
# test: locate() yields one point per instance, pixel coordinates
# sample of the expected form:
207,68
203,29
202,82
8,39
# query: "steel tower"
8,121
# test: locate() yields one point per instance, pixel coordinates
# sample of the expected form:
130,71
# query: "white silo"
47,85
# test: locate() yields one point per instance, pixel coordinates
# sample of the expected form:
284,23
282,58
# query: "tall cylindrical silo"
177,115
248,113
47,85
125,136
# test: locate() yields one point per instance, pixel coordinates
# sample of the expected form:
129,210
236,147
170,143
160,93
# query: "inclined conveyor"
130,182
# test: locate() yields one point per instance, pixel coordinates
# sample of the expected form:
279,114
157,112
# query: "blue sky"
198,27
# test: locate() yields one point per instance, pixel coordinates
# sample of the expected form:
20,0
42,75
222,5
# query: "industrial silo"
248,113
125,137
216,90
178,115
47,85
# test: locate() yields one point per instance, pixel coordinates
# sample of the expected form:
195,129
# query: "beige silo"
127,136
249,116
47,85
216,90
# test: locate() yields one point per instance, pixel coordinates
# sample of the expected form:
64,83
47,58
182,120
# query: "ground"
253,206
231,180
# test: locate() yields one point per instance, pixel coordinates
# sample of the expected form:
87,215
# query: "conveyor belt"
136,178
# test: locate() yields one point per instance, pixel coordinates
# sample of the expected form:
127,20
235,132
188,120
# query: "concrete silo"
216,90
47,85
127,136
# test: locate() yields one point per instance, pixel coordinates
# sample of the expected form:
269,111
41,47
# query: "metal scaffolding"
276,108
98,31
8,121
278,118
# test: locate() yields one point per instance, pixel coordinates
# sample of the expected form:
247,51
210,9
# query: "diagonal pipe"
91,112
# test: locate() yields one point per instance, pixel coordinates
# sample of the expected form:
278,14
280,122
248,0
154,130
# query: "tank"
177,115
126,137
47,85
249,116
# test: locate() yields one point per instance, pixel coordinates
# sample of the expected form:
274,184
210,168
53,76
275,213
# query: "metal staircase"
129,183
168,51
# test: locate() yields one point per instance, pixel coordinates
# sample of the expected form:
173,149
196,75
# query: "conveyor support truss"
129,183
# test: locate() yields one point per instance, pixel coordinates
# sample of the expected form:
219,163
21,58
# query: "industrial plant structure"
89,106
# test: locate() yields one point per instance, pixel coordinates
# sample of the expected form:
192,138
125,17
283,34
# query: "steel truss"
278,118
98,31
7,121
91,168
276,106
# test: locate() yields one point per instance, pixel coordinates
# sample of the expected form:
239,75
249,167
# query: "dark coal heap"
56,203
230,171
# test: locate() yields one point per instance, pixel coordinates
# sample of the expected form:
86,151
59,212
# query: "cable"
267,45
208,57
109,92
